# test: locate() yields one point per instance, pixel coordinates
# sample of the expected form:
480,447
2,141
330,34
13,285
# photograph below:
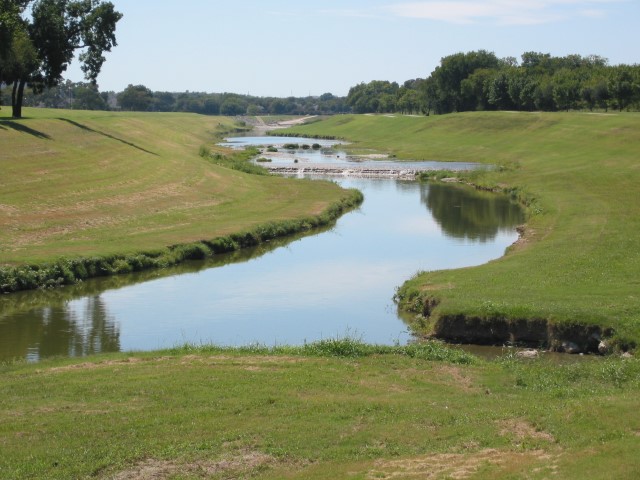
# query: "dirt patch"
232,466
454,375
454,466
522,430
93,366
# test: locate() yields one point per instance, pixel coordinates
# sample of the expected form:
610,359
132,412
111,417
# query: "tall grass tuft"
341,347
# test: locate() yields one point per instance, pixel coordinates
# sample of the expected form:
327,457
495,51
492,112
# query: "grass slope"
79,183
580,256
324,411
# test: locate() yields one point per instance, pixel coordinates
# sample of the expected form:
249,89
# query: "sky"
297,48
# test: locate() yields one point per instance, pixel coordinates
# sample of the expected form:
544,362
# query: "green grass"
579,258
337,409
84,184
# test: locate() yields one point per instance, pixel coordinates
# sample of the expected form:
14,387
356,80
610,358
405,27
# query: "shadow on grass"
19,127
89,129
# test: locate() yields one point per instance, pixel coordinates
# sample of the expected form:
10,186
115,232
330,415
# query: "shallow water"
334,283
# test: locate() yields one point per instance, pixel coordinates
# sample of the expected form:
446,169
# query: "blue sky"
286,47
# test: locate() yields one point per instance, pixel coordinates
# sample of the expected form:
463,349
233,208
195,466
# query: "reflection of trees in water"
73,320
74,329
470,214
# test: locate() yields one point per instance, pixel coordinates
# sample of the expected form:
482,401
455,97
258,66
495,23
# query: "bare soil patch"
454,466
232,466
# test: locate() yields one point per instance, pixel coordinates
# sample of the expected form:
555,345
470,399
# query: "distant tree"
254,109
87,97
211,106
163,102
566,89
595,93
543,95
474,89
233,106
408,101
135,98
366,97
45,37
499,91
621,86
453,70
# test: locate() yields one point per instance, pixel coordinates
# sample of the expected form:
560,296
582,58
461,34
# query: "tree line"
479,80
39,38
87,96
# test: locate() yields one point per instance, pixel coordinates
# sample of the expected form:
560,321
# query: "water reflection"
75,321
466,213
318,286
70,329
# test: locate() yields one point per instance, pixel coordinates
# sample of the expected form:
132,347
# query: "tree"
621,86
43,43
566,89
135,98
87,97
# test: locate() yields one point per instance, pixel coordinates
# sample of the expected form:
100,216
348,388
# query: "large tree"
43,43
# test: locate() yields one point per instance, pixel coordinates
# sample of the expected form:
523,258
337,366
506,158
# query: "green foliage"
43,43
137,98
478,80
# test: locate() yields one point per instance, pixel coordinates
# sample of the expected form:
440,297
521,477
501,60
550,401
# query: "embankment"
69,271
578,258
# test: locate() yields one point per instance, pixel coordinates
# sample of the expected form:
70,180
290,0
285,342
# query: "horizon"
312,49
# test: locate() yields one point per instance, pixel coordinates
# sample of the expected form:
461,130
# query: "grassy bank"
336,409
578,174
119,189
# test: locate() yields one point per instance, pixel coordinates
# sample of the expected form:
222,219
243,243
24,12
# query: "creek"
336,282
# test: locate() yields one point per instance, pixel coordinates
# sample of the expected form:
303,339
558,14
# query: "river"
336,282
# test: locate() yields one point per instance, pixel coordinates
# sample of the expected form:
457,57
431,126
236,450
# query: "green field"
335,409
324,411
579,174
79,183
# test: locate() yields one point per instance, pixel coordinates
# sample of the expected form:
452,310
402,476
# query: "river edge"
535,334
69,271
458,328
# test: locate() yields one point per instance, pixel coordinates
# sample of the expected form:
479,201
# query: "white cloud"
501,12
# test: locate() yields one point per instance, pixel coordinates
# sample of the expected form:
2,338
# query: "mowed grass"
318,412
579,259
77,183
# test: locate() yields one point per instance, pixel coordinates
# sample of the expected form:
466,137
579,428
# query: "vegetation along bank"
87,194
571,281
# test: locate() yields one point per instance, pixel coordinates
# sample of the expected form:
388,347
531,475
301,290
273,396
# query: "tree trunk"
17,95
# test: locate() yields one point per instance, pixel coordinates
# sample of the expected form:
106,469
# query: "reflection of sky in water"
330,284
334,283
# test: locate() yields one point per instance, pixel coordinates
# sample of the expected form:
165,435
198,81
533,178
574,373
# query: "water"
331,154
334,283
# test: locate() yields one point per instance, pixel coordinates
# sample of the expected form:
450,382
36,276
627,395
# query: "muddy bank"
535,333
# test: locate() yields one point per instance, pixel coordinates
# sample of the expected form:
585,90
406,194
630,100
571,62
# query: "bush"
204,152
